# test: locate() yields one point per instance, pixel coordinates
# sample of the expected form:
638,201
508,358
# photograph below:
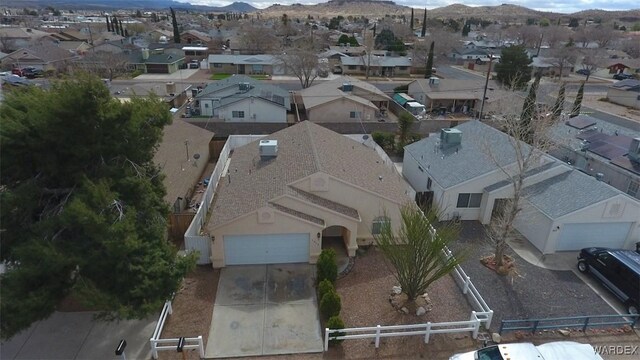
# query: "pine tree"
529,110
108,24
121,29
578,102
514,68
114,25
559,105
424,24
174,22
411,23
374,30
429,69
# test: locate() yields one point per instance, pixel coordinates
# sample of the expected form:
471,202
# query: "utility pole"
486,83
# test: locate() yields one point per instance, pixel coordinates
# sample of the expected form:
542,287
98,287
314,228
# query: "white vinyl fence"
158,344
194,238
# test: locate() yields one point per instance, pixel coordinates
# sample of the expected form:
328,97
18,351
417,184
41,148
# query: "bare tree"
7,45
592,61
369,46
583,36
603,35
631,46
527,35
257,38
563,57
104,64
555,36
302,63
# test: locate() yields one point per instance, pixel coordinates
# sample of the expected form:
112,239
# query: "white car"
5,73
559,350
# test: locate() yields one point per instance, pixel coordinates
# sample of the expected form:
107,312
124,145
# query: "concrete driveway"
265,310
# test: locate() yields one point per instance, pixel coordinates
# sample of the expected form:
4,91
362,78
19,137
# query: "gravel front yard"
535,293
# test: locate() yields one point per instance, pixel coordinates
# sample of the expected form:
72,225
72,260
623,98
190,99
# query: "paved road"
449,72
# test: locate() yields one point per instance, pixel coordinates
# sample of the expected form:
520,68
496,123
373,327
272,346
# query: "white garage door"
266,249
578,236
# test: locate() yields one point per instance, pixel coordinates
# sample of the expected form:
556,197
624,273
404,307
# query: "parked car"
16,71
558,350
622,76
32,73
583,72
617,270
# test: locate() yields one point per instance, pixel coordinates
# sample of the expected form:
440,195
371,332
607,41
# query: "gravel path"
534,293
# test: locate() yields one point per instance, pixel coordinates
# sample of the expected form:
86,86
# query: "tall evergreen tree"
121,29
559,105
374,30
513,69
578,102
429,69
423,33
114,25
176,30
411,23
108,24
529,111
88,219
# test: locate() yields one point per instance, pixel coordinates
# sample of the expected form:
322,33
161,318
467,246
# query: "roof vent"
450,137
434,80
244,86
268,149
347,87
634,150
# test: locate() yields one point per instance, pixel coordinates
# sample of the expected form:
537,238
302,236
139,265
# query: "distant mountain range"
241,7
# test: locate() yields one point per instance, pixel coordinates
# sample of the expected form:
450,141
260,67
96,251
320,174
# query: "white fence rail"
426,330
158,344
194,238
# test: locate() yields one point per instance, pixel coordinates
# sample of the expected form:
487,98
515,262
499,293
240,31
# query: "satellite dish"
196,156
365,137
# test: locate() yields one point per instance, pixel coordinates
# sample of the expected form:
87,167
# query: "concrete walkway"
74,335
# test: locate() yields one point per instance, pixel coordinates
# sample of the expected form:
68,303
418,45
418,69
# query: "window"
257,68
466,200
378,224
237,114
217,65
352,67
355,115
633,188
403,68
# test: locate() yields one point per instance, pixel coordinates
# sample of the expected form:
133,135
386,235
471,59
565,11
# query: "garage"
577,236
266,249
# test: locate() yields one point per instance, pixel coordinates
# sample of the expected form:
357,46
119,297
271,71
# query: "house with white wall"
463,171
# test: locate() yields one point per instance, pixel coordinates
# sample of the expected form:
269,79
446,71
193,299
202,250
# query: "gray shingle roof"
243,59
531,172
303,149
568,192
328,91
228,92
376,61
472,158
627,85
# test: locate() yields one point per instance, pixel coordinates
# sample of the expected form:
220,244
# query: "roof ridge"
316,157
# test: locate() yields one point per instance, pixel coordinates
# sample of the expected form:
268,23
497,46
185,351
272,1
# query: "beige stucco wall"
279,223
339,110
626,98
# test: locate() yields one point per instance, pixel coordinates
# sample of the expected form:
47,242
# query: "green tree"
514,70
575,111
108,24
544,22
559,104
429,68
529,110
138,13
411,22
414,252
466,29
114,25
89,218
335,323
635,27
326,266
574,23
404,127
330,304
176,29
423,33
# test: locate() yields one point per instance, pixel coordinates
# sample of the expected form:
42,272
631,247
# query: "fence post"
466,285
326,339
428,333
489,318
170,309
586,323
377,336
201,346
535,326
154,352
501,327
476,324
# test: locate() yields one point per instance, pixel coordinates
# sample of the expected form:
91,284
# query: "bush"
136,73
384,139
335,322
325,286
401,88
327,267
330,304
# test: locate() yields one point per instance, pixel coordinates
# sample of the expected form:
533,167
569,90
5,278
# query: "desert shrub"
330,304
325,286
327,267
335,322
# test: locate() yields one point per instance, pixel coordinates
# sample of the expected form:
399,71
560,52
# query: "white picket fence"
378,332
158,344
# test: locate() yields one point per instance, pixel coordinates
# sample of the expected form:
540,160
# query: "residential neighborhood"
343,180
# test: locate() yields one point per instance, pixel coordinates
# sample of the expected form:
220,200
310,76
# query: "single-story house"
378,65
44,56
281,196
625,92
240,98
195,37
245,64
343,99
550,66
627,66
470,54
173,94
157,61
563,209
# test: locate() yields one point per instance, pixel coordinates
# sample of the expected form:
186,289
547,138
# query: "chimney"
450,137
145,54
268,149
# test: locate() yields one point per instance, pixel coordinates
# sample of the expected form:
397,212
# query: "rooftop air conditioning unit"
268,149
346,87
450,137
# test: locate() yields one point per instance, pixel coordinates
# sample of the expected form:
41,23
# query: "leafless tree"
603,35
527,35
563,57
104,64
257,38
302,63
583,36
7,45
555,36
592,61
369,46
631,46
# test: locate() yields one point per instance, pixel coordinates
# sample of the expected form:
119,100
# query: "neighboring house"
550,66
14,38
173,94
333,58
197,53
470,54
114,47
280,197
462,171
195,37
625,92
75,47
43,56
599,148
72,35
245,64
240,98
378,65
349,50
342,100
157,34
481,44
627,66
157,61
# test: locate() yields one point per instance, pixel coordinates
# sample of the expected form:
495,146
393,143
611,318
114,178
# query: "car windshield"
489,353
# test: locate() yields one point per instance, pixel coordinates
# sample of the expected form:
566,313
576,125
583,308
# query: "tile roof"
568,192
328,91
469,160
314,199
303,149
296,213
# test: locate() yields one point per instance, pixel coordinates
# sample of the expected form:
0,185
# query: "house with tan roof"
43,56
281,196
343,99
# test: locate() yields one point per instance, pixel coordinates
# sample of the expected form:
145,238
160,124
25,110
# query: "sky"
561,6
